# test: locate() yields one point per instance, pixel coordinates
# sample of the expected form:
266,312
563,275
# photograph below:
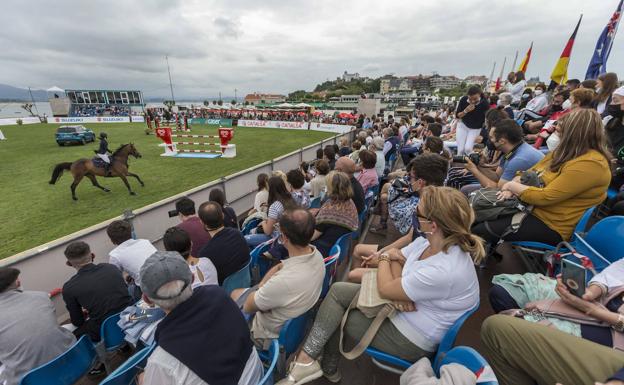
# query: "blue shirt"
521,159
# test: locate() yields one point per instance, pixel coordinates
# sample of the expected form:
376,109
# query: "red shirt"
199,236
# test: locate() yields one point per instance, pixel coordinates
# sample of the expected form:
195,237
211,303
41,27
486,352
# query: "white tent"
285,105
302,105
55,89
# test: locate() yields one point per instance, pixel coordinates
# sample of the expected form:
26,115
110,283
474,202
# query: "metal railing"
43,268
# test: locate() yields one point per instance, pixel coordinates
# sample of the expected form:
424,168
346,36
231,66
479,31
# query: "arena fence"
43,268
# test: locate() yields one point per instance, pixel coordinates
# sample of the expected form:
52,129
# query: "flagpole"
503,68
514,62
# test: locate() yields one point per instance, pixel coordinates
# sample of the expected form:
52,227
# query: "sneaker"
382,228
335,377
97,370
302,373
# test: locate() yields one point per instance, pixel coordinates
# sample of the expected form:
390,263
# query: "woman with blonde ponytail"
432,282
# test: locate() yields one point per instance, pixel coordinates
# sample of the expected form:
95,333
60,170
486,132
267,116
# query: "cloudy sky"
281,46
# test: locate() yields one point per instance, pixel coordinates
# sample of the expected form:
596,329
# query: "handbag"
369,302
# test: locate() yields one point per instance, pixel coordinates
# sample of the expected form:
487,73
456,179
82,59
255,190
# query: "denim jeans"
254,240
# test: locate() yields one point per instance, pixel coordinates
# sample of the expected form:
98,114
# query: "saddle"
98,162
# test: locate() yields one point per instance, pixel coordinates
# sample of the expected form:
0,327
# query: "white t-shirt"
262,197
443,287
130,256
208,272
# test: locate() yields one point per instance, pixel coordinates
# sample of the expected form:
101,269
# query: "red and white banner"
337,128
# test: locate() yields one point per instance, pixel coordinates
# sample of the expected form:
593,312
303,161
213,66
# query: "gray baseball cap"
163,267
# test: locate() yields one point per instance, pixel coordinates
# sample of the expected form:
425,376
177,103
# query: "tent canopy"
55,89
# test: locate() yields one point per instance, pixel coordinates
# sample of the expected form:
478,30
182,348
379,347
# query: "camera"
474,157
172,213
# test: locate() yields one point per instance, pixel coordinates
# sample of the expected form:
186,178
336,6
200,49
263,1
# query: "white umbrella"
285,105
302,105
55,89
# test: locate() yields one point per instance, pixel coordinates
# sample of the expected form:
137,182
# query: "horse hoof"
74,198
106,190
132,193
142,184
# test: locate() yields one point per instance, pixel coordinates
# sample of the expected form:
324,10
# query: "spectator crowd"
449,186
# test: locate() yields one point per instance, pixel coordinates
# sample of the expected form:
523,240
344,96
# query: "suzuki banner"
90,119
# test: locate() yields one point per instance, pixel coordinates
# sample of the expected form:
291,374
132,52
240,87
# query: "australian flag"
598,63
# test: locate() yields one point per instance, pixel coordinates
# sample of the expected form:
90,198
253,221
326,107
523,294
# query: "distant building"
257,98
347,77
479,80
444,82
533,81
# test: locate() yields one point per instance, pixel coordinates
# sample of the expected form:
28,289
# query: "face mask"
538,92
416,226
557,107
553,141
567,104
615,110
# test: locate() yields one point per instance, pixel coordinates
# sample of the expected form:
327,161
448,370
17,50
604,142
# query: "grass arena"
34,212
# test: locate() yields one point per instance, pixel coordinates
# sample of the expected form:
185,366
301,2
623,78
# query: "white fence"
43,268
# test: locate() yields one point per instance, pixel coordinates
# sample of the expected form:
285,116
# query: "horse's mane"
119,149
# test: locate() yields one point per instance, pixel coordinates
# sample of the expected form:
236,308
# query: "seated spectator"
367,176
30,335
434,274
607,83
575,176
424,170
317,184
190,222
356,146
347,166
581,98
262,196
504,102
279,201
296,180
536,105
196,320
338,214
435,145
226,249
506,137
412,147
99,289
204,271
391,144
229,215
524,353
380,163
291,287
129,254
329,154
573,84
344,147
614,129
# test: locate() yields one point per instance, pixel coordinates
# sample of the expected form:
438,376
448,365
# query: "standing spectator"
296,180
317,184
347,166
30,335
471,110
129,254
99,289
229,215
226,249
196,320
516,88
190,222
262,196
338,214
204,271
368,176
291,287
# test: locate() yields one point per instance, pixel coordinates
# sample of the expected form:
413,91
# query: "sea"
15,110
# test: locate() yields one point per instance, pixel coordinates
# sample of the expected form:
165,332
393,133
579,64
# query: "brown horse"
86,167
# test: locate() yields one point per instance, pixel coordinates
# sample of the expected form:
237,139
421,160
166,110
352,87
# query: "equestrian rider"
103,152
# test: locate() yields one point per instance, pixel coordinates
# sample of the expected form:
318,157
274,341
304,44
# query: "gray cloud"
278,46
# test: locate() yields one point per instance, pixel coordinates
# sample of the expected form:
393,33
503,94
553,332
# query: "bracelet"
384,257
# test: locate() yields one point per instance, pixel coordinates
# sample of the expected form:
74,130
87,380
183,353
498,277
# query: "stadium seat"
65,369
472,360
607,237
362,217
241,278
252,224
113,338
330,270
290,338
344,244
127,372
258,265
398,365
269,360
315,203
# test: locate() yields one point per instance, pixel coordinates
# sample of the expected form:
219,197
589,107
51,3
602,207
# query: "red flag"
525,62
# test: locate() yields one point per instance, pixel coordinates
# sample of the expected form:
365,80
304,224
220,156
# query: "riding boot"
107,169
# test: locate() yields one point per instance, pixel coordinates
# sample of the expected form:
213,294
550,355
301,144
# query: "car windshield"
66,130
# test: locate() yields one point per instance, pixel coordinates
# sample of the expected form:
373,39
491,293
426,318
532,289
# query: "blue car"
74,134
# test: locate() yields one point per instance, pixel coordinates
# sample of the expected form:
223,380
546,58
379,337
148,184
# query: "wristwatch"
619,325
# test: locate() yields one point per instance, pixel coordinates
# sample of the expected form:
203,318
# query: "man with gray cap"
204,338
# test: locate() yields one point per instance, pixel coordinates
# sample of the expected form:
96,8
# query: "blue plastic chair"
127,372
344,244
398,365
315,203
330,270
290,338
112,339
252,224
607,237
269,360
473,361
241,278
67,368
258,265
361,220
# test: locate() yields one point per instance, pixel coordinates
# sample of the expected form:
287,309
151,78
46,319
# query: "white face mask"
538,92
553,141
567,104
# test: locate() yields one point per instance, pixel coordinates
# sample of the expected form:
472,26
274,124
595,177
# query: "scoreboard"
105,97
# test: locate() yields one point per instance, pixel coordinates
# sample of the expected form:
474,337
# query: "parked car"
74,134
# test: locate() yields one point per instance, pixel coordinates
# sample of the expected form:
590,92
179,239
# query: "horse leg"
137,178
95,182
125,180
77,179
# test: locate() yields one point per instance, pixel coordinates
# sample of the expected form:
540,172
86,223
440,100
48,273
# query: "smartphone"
574,277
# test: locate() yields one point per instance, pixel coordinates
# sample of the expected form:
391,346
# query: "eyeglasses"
420,216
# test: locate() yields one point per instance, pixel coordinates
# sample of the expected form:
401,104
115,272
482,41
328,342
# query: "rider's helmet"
103,135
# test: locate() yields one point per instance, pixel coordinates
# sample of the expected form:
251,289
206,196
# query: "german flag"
559,74
525,62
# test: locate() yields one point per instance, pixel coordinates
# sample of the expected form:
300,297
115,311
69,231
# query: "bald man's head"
298,226
346,165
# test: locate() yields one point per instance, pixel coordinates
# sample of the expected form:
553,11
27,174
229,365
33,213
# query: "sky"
280,46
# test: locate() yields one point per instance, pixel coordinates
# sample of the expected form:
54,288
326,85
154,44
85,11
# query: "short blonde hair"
451,212
338,186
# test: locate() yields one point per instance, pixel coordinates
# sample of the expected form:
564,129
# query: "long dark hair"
279,192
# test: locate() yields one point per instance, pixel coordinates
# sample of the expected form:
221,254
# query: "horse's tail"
58,171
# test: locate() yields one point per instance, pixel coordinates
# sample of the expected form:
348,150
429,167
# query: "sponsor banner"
216,122
138,119
337,128
12,121
273,124
90,119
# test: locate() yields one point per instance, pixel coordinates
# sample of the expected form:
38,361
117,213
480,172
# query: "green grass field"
34,212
